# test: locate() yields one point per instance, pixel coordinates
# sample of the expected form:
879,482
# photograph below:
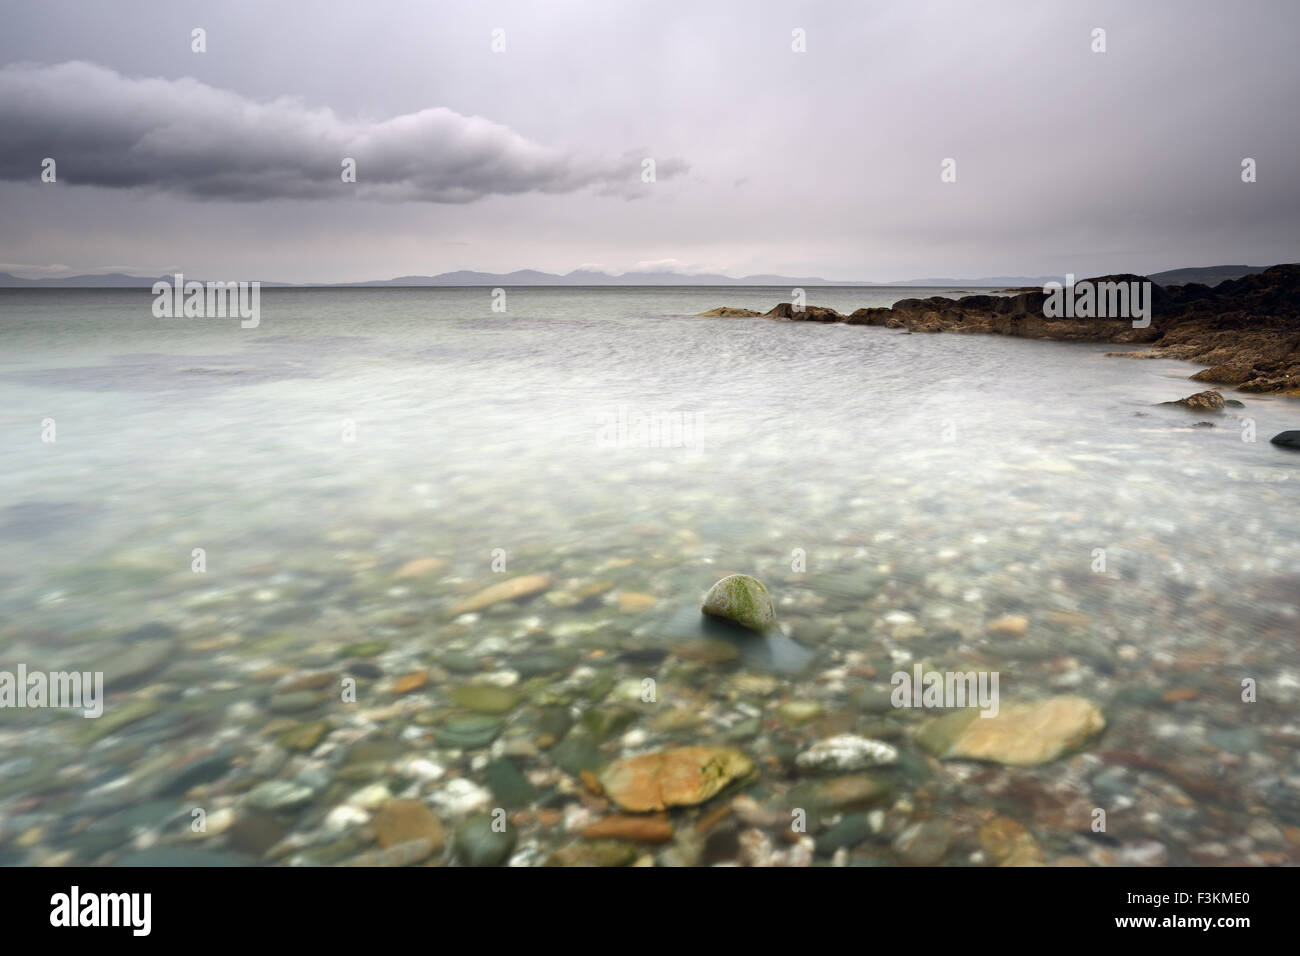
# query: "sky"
498,136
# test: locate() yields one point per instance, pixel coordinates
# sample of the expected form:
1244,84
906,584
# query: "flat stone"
410,682
1021,735
400,854
400,821
1014,625
469,732
596,853
305,737
478,844
279,795
484,699
839,793
630,829
420,567
680,777
516,589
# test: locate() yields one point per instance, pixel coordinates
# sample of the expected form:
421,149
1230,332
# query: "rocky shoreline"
1246,330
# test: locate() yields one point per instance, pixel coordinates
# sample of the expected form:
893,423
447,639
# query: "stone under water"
742,600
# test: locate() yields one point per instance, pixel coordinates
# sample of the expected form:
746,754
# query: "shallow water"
896,493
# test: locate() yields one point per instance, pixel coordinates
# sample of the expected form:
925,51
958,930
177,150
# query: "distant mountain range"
1208,275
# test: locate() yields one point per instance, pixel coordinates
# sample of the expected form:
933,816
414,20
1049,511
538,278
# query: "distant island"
1209,275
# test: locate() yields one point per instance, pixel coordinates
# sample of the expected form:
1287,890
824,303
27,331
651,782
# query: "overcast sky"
226,164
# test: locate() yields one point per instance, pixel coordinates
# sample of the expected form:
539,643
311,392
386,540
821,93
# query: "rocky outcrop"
807,313
1201,402
727,312
1246,330
1019,735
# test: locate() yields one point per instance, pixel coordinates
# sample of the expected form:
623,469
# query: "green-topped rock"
741,600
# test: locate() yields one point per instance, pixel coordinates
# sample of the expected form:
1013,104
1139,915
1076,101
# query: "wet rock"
806,313
295,702
400,821
509,787
364,649
305,737
1007,843
1201,401
273,795
796,712
725,311
852,829
478,843
631,602
630,829
177,856
846,752
254,833
576,754
838,793
923,844
137,660
1021,734
1011,626
459,662
413,681
684,776
516,589
182,779
594,853
469,732
541,662
420,567
742,600
407,853
706,651
116,716
484,699
1286,439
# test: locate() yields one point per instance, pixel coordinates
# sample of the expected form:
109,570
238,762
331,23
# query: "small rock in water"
1021,734
478,842
403,820
1201,401
847,752
631,829
1286,439
279,795
742,600
1013,625
924,844
681,777
516,589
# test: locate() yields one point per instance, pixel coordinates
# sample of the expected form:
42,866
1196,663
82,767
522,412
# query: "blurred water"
971,475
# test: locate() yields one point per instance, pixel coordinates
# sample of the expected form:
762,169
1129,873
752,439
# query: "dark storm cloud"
183,136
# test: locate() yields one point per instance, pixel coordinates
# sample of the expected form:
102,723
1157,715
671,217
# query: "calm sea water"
896,492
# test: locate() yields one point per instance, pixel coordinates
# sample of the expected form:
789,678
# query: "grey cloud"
183,136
